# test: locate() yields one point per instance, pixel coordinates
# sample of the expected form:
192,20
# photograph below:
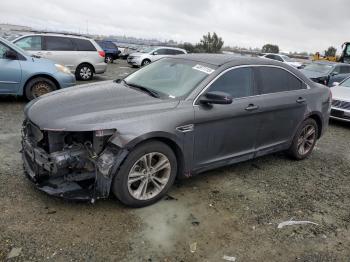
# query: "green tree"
269,48
210,43
331,51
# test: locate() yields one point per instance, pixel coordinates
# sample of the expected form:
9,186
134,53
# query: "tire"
134,167
84,72
38,86
109,59
145,62
305,137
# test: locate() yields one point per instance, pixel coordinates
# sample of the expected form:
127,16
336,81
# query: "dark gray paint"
221,135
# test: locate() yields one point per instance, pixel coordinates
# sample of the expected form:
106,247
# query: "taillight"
102,53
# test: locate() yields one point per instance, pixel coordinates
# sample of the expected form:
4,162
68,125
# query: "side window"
344,69
85,45
270,56
273,80
56,43
177,52
30,43
162,51
277,58
3,50
236,82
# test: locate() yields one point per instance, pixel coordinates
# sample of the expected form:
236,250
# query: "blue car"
30,76
111,50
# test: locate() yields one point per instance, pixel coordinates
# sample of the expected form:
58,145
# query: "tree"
269,48
210,43
331,51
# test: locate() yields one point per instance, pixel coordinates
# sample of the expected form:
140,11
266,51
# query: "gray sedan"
173,119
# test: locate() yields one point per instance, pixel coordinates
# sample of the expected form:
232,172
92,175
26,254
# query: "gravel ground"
231,211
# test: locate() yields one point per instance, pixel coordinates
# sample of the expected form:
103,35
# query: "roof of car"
56,34
221,59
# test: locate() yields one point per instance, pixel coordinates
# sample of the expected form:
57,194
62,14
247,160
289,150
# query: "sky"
294,25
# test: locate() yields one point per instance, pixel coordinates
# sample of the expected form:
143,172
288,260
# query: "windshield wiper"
143,89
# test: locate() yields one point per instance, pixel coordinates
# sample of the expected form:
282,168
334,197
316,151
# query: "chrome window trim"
244,66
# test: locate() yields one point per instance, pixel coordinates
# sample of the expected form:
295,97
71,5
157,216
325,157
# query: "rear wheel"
109,59
146,175
84,72
304,140
39,86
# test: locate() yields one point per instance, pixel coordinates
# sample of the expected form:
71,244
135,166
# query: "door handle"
301,100
251,107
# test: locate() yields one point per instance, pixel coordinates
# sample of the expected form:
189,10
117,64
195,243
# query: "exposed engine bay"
72,165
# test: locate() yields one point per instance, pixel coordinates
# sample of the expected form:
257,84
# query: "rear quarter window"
274,80
84,45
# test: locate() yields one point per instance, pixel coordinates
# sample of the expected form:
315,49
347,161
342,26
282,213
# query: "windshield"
147,49
286,58
346,83
172,78
320,68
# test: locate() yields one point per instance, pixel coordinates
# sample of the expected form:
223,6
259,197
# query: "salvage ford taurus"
174,118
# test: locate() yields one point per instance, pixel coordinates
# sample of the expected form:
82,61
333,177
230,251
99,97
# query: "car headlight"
62,69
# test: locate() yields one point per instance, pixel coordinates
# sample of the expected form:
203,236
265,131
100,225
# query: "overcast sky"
295,25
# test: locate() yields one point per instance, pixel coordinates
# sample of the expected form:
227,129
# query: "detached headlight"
62,69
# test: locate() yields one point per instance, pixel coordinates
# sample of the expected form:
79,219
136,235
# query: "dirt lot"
232,211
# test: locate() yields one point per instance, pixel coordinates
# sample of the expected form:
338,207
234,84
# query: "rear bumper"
100,68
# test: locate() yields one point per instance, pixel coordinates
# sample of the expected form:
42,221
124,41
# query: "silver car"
147,55
341,101
283,59
83,56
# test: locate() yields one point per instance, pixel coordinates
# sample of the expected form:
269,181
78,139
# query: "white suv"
147,55
83,56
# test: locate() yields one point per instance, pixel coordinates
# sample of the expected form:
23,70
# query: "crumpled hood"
312,74
90,107
341,93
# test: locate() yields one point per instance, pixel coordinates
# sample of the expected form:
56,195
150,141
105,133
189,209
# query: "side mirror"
216,97
335,83
10,54
155,53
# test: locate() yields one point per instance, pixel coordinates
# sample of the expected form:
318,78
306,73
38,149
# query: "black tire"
300,139
109,59
38,86
120,186
145,62
84,72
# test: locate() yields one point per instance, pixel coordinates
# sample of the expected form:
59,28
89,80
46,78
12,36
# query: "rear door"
10,72
284,106
61,50
227,133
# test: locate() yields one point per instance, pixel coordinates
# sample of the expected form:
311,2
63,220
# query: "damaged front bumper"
75,172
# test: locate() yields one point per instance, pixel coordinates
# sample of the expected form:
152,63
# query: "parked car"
283,59
126,51
147,55
175,118
326,73
83,56
111,50
22,74
341,101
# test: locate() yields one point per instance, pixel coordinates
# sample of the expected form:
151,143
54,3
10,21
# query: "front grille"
341,104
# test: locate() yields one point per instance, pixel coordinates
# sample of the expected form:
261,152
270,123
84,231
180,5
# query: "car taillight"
102,53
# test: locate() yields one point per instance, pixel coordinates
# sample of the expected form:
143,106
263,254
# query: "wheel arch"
43,76
318,119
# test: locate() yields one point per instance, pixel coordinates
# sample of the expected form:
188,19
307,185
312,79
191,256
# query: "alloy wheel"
85,72
149,176
306,139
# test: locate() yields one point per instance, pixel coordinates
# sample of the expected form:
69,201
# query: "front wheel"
146,175
39,86
84,72
304,140
145,62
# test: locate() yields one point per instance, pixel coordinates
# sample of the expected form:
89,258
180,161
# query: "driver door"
10,73
226,134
